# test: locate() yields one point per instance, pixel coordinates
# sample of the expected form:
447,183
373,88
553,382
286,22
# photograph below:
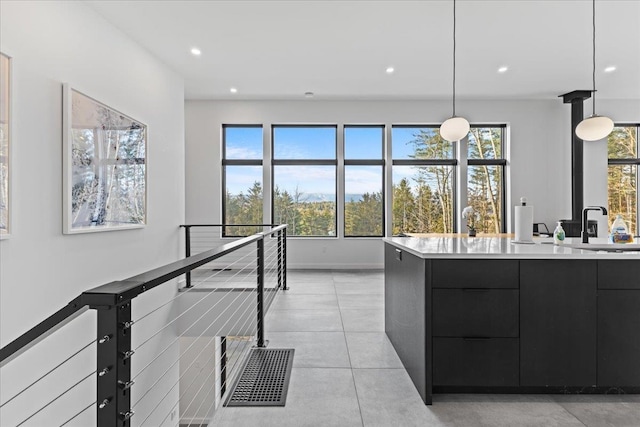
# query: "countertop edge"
546,251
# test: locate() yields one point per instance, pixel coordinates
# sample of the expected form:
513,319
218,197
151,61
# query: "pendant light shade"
595,127
454,128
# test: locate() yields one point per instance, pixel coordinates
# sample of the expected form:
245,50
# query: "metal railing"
149,361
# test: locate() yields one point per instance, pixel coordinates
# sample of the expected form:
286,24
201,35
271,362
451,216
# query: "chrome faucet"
585,222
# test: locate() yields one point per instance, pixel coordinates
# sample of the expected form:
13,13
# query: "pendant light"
454,128
594,127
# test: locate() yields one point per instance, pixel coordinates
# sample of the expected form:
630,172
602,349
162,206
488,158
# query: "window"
485,176
363,181
423,181
622,181
242,178
304,179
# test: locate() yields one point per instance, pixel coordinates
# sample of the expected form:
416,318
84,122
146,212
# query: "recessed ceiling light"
195,51
610,69
308,94
503,69
390,70
233,90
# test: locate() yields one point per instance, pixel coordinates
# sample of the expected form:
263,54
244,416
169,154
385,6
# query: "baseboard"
324,266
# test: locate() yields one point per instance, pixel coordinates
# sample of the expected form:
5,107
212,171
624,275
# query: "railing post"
260,307
187,250
280,259
284,260
114,365
223,365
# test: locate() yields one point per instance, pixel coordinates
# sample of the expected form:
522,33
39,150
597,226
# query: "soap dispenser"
558,234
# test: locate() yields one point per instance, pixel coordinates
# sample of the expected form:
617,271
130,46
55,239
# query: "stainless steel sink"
608,247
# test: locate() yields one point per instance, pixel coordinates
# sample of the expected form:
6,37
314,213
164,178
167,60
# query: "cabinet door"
405,314
618,338
558,322
475,313
485,362
475,273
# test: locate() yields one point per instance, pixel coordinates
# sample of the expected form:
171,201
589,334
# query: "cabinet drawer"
619,274
476,312
476,362
481,273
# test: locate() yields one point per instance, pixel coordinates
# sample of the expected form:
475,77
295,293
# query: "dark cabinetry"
475,322
558,323
618,323
406,313
505,325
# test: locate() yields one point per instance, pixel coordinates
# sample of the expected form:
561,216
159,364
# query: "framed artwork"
104,166
5,149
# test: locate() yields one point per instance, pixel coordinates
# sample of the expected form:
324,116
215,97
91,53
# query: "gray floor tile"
388,398
305,302
311,288
371,350
323,393
603,410
317,397
345,288
363,275
303,320
361,301
313,349
315,276
363,319
480,410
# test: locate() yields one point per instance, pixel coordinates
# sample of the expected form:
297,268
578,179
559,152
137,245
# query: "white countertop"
501,247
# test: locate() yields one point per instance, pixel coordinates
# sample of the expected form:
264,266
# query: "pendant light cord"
454,59
594,57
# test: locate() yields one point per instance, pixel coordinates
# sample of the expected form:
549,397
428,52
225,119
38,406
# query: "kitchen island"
488,315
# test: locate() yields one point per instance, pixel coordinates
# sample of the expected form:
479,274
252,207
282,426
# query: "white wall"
42,269
539,157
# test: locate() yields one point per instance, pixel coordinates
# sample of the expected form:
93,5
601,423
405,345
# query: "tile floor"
346,372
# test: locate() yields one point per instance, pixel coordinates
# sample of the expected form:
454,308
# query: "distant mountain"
326,197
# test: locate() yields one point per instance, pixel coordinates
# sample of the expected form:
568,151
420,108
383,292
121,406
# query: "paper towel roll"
524,223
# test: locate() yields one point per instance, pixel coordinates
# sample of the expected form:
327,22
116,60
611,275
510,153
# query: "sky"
317,142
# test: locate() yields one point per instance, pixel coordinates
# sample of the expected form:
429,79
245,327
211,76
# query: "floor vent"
264,381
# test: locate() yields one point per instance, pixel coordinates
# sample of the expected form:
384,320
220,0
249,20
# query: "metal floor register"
264,381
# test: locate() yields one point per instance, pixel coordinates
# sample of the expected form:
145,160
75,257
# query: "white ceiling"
340,49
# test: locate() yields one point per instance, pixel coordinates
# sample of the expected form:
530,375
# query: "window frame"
302,162
453,162
628,161
235,162
501,162
363,162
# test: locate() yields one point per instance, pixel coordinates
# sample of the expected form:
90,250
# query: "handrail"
113,302
116,292
127,289
43,329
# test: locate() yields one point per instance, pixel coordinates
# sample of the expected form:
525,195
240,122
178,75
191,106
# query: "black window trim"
302,162
364,162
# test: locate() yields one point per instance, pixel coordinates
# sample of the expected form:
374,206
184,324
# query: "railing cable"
50,371
187,349
188,290
179,316
76,415
178,337
54,399
186,370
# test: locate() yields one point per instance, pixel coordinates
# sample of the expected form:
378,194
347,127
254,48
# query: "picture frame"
104,166
6,130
